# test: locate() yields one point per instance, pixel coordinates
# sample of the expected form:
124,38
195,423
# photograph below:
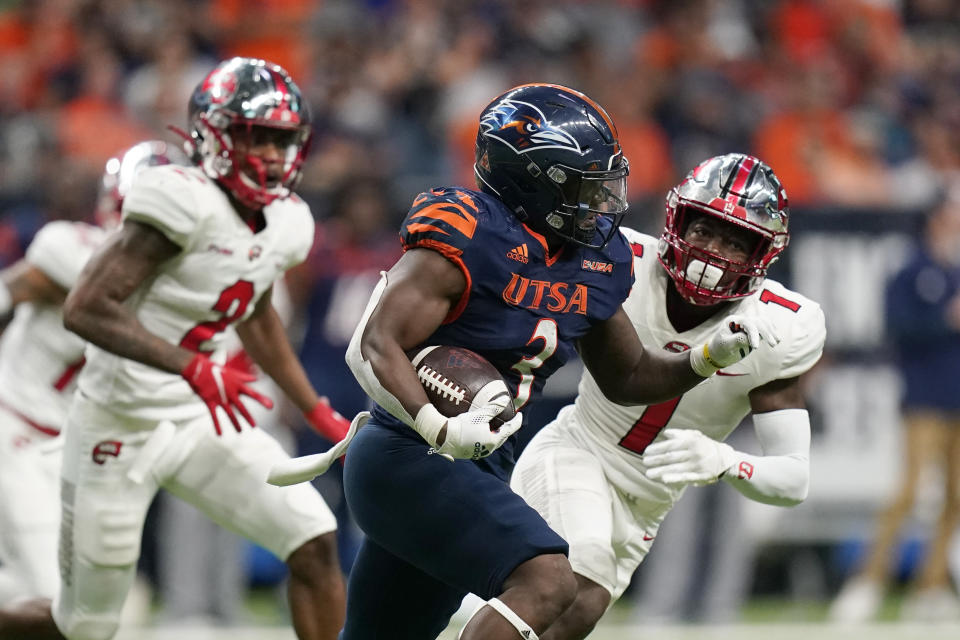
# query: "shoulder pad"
61,248
805,325
165,197
442,219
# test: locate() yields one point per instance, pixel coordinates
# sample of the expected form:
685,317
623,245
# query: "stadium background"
854,103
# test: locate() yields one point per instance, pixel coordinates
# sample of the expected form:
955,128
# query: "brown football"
457,379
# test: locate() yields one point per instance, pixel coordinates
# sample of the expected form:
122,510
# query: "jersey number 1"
232,304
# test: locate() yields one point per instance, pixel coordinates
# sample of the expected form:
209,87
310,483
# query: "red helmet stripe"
739,179
743,173
280,83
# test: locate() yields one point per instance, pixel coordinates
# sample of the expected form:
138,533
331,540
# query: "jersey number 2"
232,304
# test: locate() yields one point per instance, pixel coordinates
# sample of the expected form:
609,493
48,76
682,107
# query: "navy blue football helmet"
551,154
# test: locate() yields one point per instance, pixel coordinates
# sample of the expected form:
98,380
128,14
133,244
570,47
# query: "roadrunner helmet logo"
523,127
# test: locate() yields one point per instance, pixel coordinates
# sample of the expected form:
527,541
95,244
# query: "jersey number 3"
231,304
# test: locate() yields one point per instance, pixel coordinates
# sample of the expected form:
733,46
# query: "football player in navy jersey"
526,271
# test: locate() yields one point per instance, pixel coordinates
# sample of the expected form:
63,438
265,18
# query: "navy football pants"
435,530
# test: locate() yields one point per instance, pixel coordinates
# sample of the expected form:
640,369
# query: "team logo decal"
523,127
255,252
107,448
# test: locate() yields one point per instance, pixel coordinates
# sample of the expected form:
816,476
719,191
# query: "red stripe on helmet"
285,112
743,172
739,183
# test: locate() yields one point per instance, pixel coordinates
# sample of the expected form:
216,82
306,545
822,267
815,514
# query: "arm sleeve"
781,476
162,198
364,372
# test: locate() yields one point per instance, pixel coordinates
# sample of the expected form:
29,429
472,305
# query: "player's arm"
95,308
411,301
95,311
628,373
779,476
408,305
24,282
265,340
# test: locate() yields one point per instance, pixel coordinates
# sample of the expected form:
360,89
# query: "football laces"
443,386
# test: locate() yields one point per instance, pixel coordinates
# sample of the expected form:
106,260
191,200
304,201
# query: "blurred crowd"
854,103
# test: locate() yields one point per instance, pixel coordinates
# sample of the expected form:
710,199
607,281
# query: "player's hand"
737,337
687,456
469,435
241,361
327,422
222,386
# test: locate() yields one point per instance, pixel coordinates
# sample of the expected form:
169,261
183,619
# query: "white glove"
468,434
737,337
686,456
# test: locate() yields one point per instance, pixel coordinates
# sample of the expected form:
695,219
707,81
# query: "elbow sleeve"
363,370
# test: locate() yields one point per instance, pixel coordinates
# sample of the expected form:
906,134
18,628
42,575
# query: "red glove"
327,422
240,361
222,386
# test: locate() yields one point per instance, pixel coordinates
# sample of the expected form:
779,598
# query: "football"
457,379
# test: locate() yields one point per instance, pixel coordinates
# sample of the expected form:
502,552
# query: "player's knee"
315,559
561,590
549,581
591,603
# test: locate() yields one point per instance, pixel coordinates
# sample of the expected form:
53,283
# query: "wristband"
429,422
701,362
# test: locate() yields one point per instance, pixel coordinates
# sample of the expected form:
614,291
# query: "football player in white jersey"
39,362
604,475
198,252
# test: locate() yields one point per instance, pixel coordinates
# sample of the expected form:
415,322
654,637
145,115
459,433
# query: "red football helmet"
246,104
737,189
120,171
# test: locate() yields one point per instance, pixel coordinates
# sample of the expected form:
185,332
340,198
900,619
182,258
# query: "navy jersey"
520,310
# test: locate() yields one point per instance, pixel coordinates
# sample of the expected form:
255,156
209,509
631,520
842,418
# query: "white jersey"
618,434
223,269
39,358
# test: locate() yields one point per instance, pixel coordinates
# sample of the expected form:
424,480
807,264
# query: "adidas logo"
519,254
